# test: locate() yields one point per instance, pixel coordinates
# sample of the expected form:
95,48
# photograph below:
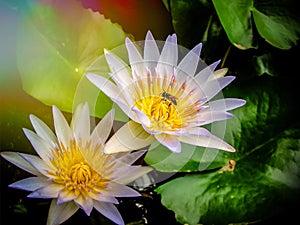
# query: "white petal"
37,163
213,87
189,63
104,197
130,136
204,74
40,145
103,128
105,85
194,131
42,129
120,190
16,159
208,117
50,191
81,123
170,141
120,170
130,158
130,177
31,183
135,58
226,104
110,211
142,118
85,203
120,70
112,91
169,56
151,52
60,213
209,142
62,128
65,196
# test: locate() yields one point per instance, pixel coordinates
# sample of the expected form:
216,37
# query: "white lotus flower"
73,170
170,101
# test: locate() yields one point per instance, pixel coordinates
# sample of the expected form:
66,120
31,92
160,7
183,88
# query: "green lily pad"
57,44
250,191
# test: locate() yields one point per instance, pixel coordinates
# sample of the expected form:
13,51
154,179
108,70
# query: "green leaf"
251,192
280,30
235,17
57,44
276,21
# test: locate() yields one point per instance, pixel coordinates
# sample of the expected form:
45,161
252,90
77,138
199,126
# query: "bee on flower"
72,169
171,101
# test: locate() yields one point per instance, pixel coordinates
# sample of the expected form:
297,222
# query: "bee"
169,97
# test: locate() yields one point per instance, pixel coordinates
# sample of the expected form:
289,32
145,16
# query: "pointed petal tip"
149,35
32,117
242,102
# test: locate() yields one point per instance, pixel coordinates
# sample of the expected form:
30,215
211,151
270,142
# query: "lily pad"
58,42
260,185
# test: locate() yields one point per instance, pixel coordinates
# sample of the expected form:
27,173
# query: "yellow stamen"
74,172
161,111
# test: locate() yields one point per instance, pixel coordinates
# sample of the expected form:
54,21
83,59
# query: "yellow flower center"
161,111
74,172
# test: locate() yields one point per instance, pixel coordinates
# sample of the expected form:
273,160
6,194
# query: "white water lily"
72,168
169,100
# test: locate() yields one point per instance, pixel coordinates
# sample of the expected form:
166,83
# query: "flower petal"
120,70
81,123
110,211
130,136
211,116
219,73
169,56
142,118
112,91
62,128
121,190
189,63
103,197
151,52
192,131
31,183
226,104
129,158
213,87
37,163
85,203
43,130
16,159
65,196
209,142
202,77
103,128
60,213
40,145
50,191
130,177
170,141
135,59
